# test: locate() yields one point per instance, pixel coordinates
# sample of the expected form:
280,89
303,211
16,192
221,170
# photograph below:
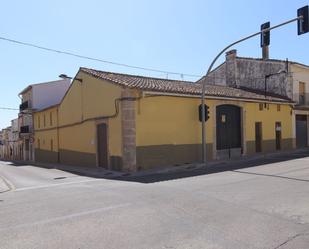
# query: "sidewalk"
212,167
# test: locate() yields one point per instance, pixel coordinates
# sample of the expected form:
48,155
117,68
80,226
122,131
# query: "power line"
94,59
8,108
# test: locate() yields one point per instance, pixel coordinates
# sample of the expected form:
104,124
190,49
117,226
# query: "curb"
109,174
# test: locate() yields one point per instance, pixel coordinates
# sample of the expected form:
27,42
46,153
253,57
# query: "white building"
37,97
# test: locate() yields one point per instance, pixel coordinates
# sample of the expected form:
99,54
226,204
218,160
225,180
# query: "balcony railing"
301,99
25,129
24,106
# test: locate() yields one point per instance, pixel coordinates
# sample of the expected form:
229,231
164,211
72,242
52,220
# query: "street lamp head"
64,76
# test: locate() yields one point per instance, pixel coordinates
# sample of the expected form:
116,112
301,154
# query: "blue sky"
171,35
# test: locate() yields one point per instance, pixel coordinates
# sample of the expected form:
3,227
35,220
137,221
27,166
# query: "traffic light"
265,36
303,23
206,112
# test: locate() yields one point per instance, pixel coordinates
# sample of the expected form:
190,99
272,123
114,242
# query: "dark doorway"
301,131
229,129
278,135
102,145
258,137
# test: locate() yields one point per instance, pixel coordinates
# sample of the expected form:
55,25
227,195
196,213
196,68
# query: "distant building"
36,97
6,135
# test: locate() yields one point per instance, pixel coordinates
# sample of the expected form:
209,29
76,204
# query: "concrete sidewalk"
212,167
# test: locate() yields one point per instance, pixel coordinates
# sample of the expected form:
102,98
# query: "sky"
169,35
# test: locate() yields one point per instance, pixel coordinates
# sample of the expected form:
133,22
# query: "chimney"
231,54
231,68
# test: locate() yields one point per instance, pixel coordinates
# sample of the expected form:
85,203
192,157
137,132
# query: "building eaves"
273,60
38,84
180,87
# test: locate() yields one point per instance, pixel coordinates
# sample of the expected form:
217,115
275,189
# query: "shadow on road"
189,171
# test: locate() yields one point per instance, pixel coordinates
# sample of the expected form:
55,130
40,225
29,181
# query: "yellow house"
46,135
126,122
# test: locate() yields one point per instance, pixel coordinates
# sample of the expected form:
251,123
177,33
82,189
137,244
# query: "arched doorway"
228,131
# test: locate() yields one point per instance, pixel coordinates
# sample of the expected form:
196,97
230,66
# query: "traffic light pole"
210,68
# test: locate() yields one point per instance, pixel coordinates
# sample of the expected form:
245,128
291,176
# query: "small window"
39,122
44,120
302,95
39,144
51,145
278,108
261,107
51,118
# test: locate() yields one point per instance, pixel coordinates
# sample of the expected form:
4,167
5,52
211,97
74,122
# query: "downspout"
58,143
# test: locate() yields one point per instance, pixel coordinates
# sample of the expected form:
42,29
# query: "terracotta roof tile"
179,87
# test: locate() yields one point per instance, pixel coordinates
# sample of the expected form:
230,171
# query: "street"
262,206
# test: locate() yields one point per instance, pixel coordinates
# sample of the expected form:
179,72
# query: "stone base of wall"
46,156
115,163
270,146
154,156
77,158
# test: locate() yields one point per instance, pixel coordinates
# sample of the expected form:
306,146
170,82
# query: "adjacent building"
6,150
127,122
269,76
36,97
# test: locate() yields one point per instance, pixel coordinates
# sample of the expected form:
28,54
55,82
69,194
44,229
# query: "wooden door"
228,127
102,145
301,131
258,137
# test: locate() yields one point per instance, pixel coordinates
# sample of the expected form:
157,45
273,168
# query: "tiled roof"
178,87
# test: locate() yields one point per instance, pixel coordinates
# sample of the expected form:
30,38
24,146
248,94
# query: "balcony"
24,106
25,129
302,99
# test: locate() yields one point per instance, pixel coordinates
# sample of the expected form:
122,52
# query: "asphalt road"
264,206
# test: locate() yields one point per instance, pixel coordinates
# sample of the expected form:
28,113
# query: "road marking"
7,183
56,184
65,217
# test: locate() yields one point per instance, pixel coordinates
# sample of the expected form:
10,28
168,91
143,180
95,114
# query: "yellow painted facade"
86,100
174,120
78,119
45,126
164,126
46,134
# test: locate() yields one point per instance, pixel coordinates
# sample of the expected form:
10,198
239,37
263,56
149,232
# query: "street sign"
303,23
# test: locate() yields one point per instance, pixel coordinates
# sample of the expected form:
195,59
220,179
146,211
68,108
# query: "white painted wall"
48,94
